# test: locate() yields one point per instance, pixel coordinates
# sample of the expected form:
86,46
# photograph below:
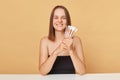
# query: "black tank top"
62,65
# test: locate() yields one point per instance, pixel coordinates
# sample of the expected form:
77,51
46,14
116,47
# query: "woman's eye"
55,17
58,17
64,17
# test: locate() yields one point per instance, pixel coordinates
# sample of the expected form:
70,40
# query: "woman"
60,54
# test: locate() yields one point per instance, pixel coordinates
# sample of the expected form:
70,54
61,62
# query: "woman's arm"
45,62
77,56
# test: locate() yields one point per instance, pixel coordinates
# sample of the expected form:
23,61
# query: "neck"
59,36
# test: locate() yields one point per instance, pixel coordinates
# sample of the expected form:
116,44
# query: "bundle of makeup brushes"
69,31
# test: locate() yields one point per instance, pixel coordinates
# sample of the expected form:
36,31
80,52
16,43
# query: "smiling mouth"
59,25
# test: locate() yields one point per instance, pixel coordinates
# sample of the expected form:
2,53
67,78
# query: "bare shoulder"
76,39
44,40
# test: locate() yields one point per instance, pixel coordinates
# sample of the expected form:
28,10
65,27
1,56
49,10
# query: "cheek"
54,21
65,21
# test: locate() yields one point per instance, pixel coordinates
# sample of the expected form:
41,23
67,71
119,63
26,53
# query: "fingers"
67,43
67,31
63,46
71,34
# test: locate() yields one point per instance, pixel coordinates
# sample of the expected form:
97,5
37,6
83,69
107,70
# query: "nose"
59,20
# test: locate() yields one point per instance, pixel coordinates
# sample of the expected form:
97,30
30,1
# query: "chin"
60,30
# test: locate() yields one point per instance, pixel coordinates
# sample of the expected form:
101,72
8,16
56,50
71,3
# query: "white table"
97,76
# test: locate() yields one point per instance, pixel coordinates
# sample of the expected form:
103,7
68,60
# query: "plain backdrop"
24,22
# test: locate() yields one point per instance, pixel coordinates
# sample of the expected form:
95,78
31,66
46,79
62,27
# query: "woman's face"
59,19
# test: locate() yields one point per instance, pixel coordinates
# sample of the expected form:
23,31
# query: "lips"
59,25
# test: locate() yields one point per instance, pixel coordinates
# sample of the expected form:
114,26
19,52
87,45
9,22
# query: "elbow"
81,72
43,73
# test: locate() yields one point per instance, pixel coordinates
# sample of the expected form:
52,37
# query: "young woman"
60,54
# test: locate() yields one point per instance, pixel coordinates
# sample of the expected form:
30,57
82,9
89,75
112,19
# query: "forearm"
78,64
47,65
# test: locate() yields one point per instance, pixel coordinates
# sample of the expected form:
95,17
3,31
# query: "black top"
62,65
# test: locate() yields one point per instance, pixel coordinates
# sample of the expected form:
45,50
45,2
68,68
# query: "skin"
62,46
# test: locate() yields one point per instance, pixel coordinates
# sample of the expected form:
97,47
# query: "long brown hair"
51,35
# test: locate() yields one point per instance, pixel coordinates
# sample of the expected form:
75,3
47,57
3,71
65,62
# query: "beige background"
24,22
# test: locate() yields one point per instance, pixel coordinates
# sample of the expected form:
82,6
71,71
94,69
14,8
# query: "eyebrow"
61,16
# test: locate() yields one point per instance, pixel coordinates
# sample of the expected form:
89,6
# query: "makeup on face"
59,19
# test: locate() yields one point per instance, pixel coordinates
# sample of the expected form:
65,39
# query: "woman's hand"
62,47
68,43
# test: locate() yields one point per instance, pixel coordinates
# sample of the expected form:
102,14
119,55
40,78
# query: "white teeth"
59,24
